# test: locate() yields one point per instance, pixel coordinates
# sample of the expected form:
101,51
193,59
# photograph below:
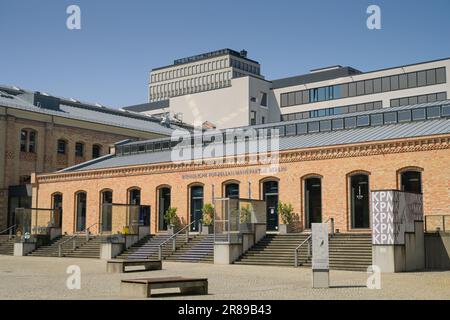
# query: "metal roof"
322,139
101,115
148,106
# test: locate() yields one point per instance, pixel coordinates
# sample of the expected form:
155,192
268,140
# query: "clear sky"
109,59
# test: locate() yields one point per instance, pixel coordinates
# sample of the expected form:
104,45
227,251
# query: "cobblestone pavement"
45,278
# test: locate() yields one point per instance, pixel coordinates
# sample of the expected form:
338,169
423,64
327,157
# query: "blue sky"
109,59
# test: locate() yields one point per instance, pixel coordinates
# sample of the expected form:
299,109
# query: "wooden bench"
142,287
119,266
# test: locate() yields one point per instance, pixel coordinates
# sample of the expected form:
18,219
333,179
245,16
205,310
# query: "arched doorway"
80,222
411,181
270,195
163,204
196,200
106,217
313,200
359,201
57,207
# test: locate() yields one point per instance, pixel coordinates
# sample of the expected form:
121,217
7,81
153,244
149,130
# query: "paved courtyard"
45,278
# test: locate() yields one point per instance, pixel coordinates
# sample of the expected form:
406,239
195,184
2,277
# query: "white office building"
225,89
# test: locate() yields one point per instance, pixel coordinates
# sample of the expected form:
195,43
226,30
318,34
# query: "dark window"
359,200
23,140
386,84
377,85
446,110
395,102
350,122
302,128
418,114
352,89
360,88
440,75
338,124
390,117
325,125
376,119
368,86
362,121
421,78
284,100
433,112
314,95
290,130
96,151
431,77
411,181
252,118
32,142
403,81
141,148
306,96
62,146
313,126
442,96
404,101
394,82
412,80
413,100
79,149
404,115
149,147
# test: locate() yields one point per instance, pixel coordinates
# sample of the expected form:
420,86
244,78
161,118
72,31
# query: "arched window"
231,190
62,146
134,197
312,200
164,199
411,181
57,199
79,149
96,151
270,195
359,200
28,139
196,198
81,199
106,197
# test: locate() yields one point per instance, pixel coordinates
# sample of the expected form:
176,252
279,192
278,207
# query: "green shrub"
246,214
208,214
285,210
171,216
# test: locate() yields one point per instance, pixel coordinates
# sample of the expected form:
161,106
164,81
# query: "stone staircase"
148,247
83,248
199,249
347,251
6,245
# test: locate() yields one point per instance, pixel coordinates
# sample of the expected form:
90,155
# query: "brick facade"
382,161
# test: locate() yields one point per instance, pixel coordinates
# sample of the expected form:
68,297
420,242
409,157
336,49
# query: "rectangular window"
390,117
284,99
440,75
386,84
302,128
404,101
423,99
446,110
341,110
412,80
394,82
61,146
403,81
322,95
421,78
431,77
337,124
395,102
352,108
360,107
442,96
298,98
352,89
369,106
305,94
23,140
431,97
325,125
360,88
404,116
344,90
368,86
313,127
418,114
149,147
362,121
79,149
291,98
263,99
376,119
314,95
377,85
433,112
378,105
290,130
337,92
350,122
252,118
412,100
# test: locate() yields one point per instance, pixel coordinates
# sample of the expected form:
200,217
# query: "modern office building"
227,89
44,133
327,168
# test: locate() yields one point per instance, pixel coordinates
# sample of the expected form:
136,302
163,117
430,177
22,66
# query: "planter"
170,230
285,229
246,227
207,230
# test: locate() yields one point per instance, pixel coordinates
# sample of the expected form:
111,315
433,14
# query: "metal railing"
10,229
73,238
308,241
439,224
173,238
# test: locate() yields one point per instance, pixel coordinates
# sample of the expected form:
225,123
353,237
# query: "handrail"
86,230
173,238
308,240
10,230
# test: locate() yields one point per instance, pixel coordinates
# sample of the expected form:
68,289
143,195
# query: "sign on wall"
320,256
394,213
